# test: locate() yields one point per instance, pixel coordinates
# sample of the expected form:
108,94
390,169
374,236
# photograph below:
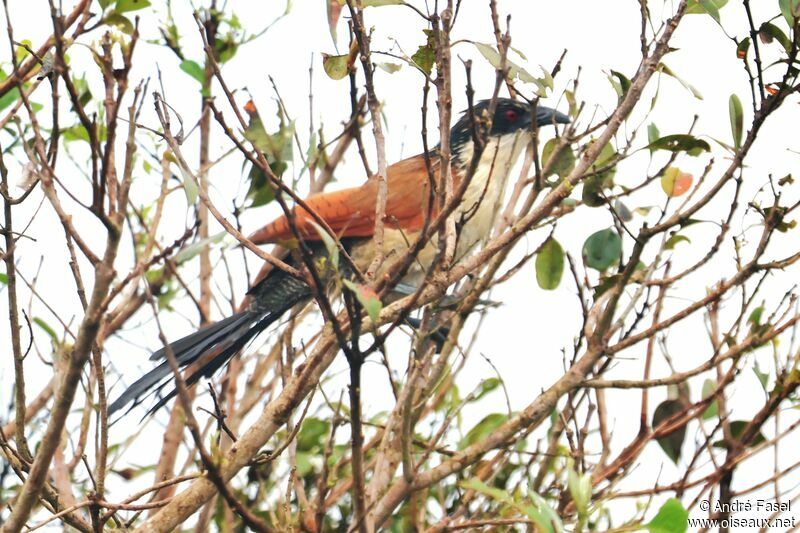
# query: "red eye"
511,115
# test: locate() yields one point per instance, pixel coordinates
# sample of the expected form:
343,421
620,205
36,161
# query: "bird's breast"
483,199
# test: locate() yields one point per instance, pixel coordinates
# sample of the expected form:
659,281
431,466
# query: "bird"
350,213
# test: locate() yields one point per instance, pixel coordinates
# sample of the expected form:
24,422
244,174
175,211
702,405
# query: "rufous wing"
351,212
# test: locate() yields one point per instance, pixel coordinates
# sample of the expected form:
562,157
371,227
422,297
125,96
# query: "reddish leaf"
334,11
367,297
675,183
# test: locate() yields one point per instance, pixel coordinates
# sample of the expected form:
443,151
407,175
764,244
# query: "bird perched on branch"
350,214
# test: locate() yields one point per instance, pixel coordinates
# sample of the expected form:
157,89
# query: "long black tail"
218,342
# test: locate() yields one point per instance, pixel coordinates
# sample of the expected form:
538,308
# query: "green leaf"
169,32
226,48
82,88
120,21
391,68
483,429
276,146
487,386
304,464
546,80
313,152
497,494
671,518
680,143
166,296
104,3
737,428
550,265
22,53
761,376
9,98
755,316
3,278
691,222
336,67
676,183
123,6
190,251
490,53
710,7
580,488
515,71
573,103
193,69
519,52
425,56
709,386
606,283
742,48
790,9
602,249
757,328
75,133
330,244
261,191
673,441
368,299
189,185
652,136
46,328
312,434
621,84
666,70
546,520
564,161
603,178
674,239
737,120
622,210
769,32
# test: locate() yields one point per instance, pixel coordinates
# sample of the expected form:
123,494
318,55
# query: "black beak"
546,117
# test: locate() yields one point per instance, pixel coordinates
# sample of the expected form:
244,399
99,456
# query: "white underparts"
484,196
475,216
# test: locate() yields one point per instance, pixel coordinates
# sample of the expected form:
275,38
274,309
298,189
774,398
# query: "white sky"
524,337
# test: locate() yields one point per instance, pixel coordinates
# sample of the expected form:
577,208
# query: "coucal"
350,214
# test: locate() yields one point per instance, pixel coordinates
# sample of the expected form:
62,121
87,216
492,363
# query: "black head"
510,116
